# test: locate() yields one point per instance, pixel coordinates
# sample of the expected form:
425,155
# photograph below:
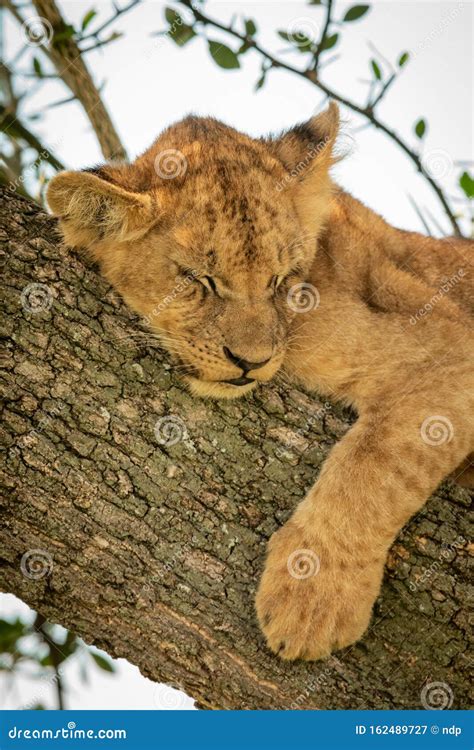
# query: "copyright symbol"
434,729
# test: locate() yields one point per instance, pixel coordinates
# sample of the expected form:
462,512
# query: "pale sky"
150,83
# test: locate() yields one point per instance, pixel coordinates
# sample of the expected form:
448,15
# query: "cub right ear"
92,209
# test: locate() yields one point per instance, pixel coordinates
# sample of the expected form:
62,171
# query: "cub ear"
92,208
307,148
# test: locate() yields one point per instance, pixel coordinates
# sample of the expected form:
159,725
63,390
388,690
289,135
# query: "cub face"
204,235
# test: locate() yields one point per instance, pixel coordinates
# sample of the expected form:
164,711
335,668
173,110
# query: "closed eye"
209,283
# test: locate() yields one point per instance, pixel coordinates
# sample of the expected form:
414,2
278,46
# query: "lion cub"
247,258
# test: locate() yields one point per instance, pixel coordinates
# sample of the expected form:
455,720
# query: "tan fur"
390,333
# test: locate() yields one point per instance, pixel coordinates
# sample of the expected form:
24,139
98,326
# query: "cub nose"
243,363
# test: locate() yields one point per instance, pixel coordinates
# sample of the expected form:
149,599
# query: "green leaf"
329,42
356,12
284,35
466,183
250,27
420,128
403,59
103,663
88,18
181,34
37,67
10,632
376,68
66,32
172,16
223,55
178,31
243,48
260,81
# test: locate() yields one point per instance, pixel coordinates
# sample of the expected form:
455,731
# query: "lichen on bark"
156,547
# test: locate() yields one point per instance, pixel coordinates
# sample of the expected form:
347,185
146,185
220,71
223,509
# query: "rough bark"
155,549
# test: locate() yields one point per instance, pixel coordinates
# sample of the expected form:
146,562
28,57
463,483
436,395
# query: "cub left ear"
92,208
308,148
306,152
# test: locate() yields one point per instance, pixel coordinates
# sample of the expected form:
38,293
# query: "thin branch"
322,40
312,76
382,91
15,129
71,68
118,12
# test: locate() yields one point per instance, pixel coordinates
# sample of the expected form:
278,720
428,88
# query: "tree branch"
152,549
71,68
310,74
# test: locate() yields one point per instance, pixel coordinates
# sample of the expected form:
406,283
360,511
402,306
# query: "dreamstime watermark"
181,285
446,553
13,185
170,430
437,163
437,430
437,30
36,31
36,564
36,298
45,422
303,29
302,298
303,563
445,288
170,163
437,696
50,680
168,697
332,664
303,164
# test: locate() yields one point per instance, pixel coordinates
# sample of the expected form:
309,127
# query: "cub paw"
312,599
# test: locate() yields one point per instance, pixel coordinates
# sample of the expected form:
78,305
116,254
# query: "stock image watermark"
181,285
170,164
437,430
36,564
444,289
303,298
303,563
170,430
36,298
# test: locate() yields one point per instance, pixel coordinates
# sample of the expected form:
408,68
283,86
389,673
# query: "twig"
312,75
118,12
320,46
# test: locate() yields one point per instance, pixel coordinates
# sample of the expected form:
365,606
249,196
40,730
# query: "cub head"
205,235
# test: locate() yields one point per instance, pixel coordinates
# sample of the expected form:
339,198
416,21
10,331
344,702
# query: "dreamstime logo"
168,698
437,163
444,289
181,284
436,696
36,298
448,552
170,430
170,164
301,29
437,430
303,298
37,31
303,563
299,169
36,564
